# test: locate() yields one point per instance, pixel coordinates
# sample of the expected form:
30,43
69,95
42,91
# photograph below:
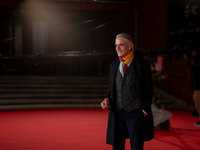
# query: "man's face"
121,47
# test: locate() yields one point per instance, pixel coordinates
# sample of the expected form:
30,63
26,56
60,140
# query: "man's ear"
130,46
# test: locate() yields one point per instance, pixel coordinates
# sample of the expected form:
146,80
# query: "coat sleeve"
108,95
109,91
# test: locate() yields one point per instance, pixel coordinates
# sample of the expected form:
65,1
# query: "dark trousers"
132,125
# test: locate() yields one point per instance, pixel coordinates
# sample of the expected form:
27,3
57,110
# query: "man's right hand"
105,104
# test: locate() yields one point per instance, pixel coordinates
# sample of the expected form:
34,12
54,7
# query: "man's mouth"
119,51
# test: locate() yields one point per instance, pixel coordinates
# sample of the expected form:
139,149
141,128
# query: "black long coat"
144,87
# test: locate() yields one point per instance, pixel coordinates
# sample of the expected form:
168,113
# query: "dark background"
76,38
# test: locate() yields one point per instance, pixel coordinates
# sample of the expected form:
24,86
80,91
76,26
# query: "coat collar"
135,63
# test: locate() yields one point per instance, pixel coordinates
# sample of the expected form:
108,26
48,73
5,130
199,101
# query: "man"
193,62
129,98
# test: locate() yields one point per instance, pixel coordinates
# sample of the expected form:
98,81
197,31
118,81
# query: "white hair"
127,37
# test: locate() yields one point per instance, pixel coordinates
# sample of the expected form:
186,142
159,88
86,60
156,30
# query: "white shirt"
121,67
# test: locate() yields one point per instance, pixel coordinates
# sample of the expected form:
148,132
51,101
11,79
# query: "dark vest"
126,94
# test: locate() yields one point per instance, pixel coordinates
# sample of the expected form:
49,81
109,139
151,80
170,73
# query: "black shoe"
197,124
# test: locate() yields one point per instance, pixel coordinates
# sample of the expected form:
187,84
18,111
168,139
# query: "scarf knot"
127,59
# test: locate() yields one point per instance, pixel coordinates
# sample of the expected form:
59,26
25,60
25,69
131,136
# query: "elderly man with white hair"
129,98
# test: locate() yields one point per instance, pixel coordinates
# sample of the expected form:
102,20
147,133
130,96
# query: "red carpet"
85,130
